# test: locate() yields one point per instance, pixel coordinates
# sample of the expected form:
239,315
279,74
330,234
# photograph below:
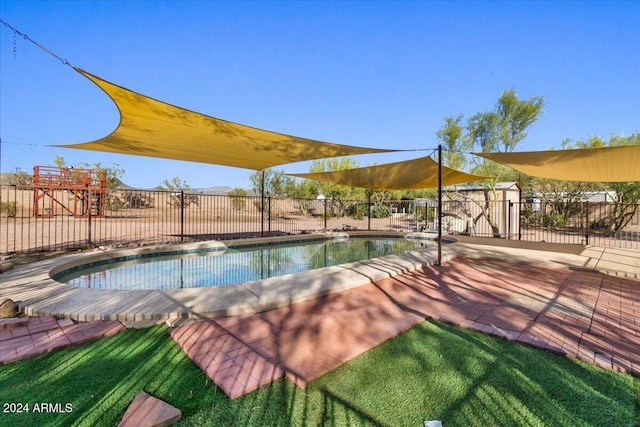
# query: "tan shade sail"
156,129
410,174
608,164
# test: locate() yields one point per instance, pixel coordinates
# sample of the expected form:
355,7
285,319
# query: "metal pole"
181,215
325,214
520,206
269,213
586,225
89,221
509,228
262,206
440,204
369,210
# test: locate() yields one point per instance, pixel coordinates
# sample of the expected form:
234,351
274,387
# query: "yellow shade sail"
406,175
608,164
149,127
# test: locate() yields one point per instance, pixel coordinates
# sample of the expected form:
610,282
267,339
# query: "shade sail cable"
16,32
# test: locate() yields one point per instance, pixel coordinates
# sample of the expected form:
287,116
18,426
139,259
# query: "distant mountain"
215,191
123,186
209,191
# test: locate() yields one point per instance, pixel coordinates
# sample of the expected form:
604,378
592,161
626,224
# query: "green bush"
380,211
359,210
554,220
9,208
238,198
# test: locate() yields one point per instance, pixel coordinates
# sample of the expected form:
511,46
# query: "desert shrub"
554,220
380,211
359,210
238,198
10,209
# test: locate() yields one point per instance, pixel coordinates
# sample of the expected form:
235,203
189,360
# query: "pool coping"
36,294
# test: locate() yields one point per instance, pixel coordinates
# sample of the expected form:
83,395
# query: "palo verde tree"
274,182
238,198
563,197
115,199
625,195
18,177
340,195
113,173
303,192
451,136
499,130
269,183
566,197
181,195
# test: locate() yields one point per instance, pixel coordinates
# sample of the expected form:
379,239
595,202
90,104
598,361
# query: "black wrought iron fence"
140,217
600,224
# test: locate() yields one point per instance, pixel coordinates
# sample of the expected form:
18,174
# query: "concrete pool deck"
32,288
580,302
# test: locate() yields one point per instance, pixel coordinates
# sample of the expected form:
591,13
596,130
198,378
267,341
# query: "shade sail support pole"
262,204
439,204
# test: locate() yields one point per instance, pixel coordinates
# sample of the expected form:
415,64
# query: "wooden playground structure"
80,193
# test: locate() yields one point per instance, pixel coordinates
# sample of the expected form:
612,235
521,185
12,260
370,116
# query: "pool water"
233,265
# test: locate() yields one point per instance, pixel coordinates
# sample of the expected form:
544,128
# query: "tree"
303,194
274,182
113,173
269,183
18,177
515,117
60,162
180,196
625,195
339,195
499,130
451,135
238,198
564,197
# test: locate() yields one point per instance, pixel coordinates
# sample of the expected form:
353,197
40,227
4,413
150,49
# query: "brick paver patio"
579,314
576,313
25,337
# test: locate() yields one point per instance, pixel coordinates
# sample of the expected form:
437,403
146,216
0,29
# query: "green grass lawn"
434,371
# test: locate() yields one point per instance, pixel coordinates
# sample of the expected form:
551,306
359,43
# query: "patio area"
584,315
581,303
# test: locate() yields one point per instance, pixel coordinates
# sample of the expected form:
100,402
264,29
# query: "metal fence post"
90,208
181,215
369,210
509,228
324,214
520,219
269,213
586,225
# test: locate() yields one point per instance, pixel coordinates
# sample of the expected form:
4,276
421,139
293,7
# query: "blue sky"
373,74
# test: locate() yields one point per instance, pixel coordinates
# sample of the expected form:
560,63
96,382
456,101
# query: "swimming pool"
226,265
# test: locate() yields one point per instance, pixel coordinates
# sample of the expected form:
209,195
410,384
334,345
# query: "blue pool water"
233,265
